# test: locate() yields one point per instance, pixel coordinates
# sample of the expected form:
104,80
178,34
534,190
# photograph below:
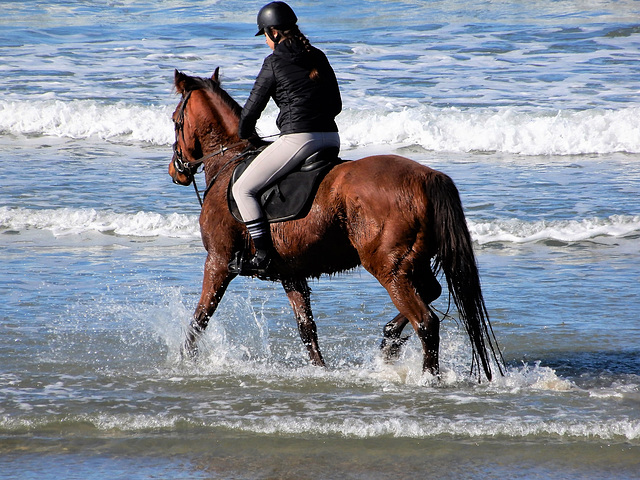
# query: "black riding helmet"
277,15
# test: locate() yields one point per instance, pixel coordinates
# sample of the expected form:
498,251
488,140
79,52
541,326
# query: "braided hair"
293,35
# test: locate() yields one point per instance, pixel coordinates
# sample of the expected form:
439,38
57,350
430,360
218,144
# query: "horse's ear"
216,75
179,79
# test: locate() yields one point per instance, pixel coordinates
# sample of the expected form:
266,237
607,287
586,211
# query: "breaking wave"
508,130
74,221
70,221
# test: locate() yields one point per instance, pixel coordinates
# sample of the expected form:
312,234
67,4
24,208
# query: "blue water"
533,109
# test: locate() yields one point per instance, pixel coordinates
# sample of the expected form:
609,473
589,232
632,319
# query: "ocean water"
533,108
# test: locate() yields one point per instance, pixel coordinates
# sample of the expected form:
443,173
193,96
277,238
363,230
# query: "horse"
400,220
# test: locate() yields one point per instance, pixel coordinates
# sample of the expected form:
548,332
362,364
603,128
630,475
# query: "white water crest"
67,221
507,129
397,427
516,231
86,119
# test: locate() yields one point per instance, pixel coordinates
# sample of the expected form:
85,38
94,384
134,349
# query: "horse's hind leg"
300,298
425,323
214,284
429,333
411,298
428,289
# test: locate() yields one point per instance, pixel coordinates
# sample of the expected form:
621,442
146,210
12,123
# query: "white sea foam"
87,118
506,130
431,427
516,231
395,424
66,221
497,130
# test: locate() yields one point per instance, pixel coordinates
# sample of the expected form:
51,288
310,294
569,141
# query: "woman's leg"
274,162
278,159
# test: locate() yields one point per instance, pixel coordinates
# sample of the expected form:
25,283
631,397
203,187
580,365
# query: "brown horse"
402,221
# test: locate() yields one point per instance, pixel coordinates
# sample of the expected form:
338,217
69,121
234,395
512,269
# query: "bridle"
179,163
190,168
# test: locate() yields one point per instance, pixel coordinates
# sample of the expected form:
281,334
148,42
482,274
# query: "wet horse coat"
402,221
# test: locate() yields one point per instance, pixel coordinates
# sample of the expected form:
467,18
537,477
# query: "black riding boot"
261,260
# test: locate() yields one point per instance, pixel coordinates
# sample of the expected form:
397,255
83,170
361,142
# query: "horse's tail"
456,259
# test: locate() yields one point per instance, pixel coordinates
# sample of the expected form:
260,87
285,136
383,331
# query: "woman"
304,87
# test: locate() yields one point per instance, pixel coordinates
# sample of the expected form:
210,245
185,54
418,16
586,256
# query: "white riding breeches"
275,161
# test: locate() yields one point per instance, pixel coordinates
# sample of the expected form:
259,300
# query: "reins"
191,168
201,160
215,177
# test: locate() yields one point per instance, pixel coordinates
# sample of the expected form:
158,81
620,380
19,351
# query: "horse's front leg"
299,295
214,284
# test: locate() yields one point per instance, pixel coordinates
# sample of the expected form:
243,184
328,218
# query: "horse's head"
205,120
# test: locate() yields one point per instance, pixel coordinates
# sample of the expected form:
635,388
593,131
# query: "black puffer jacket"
306,105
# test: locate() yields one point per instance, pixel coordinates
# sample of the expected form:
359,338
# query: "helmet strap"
274,39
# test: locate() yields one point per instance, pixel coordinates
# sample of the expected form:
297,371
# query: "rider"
303,85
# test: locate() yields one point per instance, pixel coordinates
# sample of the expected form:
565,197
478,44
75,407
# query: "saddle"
291,196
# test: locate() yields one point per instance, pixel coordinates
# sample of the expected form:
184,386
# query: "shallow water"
532,110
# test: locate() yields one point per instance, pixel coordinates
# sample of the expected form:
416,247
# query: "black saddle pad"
291,196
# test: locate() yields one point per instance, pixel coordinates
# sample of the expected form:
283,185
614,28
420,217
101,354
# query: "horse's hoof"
391,347
434,372
188,352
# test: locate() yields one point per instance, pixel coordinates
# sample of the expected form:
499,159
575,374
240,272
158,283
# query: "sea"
532,107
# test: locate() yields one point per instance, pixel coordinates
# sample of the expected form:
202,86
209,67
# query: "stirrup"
255,266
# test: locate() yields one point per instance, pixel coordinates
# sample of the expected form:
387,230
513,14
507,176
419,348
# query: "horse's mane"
212,86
